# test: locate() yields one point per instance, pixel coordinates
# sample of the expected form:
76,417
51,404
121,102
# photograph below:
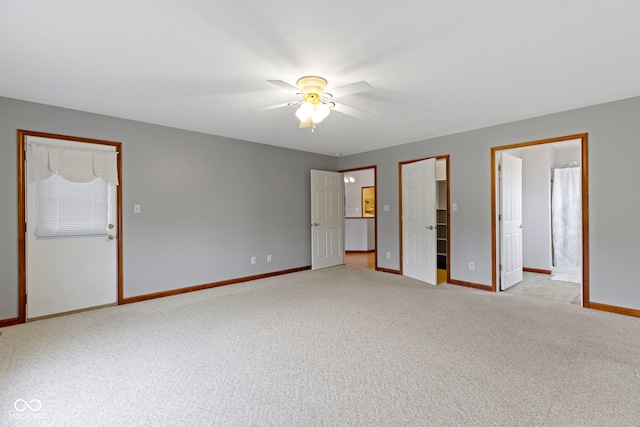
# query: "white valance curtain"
75,165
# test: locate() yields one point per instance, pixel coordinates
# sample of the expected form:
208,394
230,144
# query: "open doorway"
360,217
547,243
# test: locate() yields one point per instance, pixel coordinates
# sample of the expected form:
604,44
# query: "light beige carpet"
341,346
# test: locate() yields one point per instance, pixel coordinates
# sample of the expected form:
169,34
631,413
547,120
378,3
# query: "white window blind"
66,208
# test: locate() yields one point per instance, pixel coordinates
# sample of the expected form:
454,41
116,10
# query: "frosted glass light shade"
320,113
305,110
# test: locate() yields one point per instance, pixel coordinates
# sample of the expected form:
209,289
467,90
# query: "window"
65,208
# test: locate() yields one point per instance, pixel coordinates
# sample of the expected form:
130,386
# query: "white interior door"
327,219
419,221
70,273
510,220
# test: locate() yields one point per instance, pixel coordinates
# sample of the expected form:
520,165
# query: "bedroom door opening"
554,221
360,217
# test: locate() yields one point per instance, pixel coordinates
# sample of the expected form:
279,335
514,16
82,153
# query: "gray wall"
566,156
614,150
207,203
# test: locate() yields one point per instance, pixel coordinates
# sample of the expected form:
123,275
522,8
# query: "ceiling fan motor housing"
312,84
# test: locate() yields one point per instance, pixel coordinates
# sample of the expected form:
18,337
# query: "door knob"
521,225
429,227
111,237
315,224
110,226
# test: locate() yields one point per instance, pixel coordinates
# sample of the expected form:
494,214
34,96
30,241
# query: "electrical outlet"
388,255
472,266
269,258
254,260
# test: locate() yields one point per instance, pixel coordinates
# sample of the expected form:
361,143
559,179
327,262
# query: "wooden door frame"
22,213
583,137
375,219
406,162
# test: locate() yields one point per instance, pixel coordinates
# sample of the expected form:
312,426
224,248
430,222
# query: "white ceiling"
436,67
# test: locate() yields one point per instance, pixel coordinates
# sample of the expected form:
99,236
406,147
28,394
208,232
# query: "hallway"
361,259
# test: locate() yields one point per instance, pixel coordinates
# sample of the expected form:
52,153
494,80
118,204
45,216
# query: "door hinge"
500,267
499,217
25,299
499,168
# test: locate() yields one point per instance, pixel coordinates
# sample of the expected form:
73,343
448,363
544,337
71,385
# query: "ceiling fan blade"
271,107
305,123
285,86
284,104
350,111
350,89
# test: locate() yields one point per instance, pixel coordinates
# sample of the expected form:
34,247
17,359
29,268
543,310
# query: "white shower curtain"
566,212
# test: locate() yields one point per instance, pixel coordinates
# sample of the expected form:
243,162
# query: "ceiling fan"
317,102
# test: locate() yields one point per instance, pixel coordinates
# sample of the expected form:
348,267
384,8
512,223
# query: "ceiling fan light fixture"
321,111
305,111
348,178
317,103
